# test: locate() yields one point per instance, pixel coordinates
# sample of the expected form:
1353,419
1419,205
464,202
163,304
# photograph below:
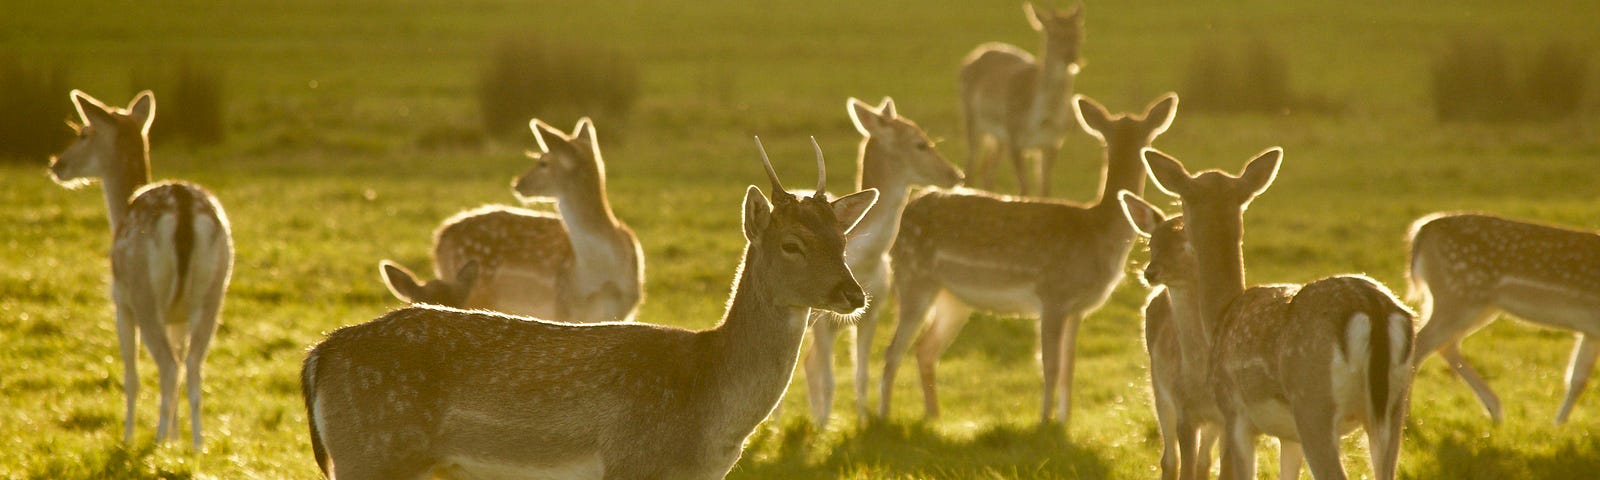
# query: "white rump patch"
1398,327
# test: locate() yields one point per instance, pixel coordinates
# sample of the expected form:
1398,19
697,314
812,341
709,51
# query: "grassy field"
323,176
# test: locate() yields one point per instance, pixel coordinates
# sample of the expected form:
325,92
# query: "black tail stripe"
1378,366
183,234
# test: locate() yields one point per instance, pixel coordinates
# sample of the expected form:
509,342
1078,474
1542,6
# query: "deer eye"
791,247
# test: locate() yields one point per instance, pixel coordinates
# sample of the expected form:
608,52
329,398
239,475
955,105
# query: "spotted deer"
1467,268
1303,363
1019,104
171,253
895,155
471,394
963,250
584,266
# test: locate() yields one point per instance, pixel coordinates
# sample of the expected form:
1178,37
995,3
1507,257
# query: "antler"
772,175
822,168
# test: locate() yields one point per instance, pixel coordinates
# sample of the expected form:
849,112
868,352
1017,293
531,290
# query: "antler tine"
822,168
772,175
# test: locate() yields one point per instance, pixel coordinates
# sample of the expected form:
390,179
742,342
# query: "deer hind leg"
1201,467
1238,448
1061,367
866,328
982,150
819,368
152,330
1319,438
915,300
203,321
1583,358
1448,322
949,315
1047,161
128,341
1289,459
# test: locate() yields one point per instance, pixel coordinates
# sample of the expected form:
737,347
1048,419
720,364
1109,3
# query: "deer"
894,156
469,394
171,254
583,266
1303,363
963,250
1015,102
1465,268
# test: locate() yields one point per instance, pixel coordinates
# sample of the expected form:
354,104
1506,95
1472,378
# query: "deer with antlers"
1017,104
1467,268
425,390
583,266
171,253
962,250
1303,363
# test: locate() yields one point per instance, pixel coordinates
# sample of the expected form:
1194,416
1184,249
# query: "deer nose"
1152,276
850,293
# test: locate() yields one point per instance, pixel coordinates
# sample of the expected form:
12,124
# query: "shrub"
36,106
1556,81
1207,84
1472,81
1255,80
558,82
189,104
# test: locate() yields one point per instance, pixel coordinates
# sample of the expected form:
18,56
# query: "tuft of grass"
34,105
555,80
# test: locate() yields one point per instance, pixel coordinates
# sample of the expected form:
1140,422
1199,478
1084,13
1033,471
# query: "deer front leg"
866,327
1068,361
819,368
1583,358
1289,460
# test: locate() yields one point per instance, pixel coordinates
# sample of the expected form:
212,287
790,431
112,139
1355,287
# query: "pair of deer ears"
142,110
1172,178
869,119
410,289
1039,17
546,134
1094,118
847,209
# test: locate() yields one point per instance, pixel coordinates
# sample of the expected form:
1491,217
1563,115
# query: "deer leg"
203,327
915,299
866,328
152,329
1289,459
1047,160
819,368
1486,395
1238,448
1583,358
1202,455
1448,322
128,341
949,315
1019,162
1053,320
1068,359
1170,426
1319,438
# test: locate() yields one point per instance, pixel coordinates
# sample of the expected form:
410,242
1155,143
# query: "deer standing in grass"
1467,268
895,155
171,253
966,250
1017,105
584,266
1305,363
472,394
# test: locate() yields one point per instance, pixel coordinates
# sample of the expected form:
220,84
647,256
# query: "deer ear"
1034,18
91,110
1091,116
143,110
887,108
401,282
584,130
1160,113
1075,14
1141,214
1262,170
757,213
865,117
1168,172
545,134
850,208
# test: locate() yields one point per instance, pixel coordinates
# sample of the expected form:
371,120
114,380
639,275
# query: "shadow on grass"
890,450
1463,454
114,461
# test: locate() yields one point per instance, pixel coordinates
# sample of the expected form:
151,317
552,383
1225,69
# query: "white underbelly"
1014,299
1550,304
469,468
1273,418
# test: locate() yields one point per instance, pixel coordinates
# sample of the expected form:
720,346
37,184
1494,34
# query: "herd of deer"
457,385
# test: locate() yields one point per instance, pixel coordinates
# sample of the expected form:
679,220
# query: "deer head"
103,132
900,146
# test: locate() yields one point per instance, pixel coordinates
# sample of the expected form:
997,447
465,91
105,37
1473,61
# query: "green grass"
322,178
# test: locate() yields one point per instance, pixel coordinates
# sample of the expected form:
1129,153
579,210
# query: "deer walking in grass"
895,155
171,253
426,390
1305,364
967,250
1467,268
584,266
1017,105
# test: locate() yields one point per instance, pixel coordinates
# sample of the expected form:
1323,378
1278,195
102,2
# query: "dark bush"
1208,83
1556,81
189,104
1255,80
557,82
35,107
1472,80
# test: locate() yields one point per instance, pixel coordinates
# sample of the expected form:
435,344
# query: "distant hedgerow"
189,102
36,108
530,76
1473,80
1253,80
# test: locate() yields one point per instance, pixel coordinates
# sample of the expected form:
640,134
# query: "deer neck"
596,235
1194,338
1123,170
1052,86
754,350
875,232
130,170
1219,253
